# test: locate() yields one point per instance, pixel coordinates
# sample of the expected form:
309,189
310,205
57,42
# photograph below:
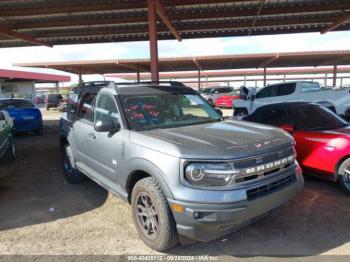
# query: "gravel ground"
41,214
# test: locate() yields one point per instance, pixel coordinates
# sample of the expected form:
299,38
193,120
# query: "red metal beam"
336,24
13,34
166,20
268,61
153,40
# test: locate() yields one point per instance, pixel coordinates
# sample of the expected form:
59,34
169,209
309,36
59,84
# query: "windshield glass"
309,87
166,110
8,104
207,91
313,117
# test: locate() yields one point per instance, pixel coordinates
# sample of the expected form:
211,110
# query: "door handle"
92,136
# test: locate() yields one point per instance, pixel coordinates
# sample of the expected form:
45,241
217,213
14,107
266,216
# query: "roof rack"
113,84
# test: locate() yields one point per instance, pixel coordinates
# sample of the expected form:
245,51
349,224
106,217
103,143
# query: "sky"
171,48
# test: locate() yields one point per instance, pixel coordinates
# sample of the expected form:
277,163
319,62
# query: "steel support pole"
138,75
335,71
199,80
264,76
80,78
153,40
325,79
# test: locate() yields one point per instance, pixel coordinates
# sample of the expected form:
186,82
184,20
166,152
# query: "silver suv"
186,173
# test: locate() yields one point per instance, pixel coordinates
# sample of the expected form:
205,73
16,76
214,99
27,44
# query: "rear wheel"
39,131
152,216
344,175
10,154
47,108
71,173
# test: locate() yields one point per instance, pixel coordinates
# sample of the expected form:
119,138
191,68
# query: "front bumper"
205,222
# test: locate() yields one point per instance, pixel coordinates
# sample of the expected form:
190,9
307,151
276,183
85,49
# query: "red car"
322,138
227,100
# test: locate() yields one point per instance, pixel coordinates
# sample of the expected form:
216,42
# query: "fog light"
196,215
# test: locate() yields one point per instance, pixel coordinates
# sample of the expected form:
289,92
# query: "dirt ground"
41,214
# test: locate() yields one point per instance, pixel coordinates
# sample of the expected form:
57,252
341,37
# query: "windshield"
166,110
314,117
207,91
8,104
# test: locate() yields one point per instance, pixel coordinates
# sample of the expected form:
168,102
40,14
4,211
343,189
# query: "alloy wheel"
147,216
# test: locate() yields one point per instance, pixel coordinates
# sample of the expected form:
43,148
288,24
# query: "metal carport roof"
270,60
43,22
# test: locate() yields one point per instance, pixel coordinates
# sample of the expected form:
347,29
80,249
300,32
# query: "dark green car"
7,146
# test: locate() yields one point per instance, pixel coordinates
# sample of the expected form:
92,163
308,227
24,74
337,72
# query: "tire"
71,173
10,154
48,108
344,175
39,131
148,195
240,112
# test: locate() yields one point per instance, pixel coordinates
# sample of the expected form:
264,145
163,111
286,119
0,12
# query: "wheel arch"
142,169
340,161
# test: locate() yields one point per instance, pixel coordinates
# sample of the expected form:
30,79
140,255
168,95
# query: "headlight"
209,174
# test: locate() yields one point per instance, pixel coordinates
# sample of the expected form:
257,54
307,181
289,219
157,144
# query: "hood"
222,140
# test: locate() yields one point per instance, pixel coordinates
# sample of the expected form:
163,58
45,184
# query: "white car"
338,100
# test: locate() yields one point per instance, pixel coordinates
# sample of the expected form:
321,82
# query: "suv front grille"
262,166
268,189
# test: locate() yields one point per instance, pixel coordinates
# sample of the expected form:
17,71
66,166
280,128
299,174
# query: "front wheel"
71,173
344,175
10,154
152,216
240,112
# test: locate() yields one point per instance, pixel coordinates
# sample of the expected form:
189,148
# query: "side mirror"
287,127
219,111
107,125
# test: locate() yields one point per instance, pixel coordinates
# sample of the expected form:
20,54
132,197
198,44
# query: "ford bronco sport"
186,173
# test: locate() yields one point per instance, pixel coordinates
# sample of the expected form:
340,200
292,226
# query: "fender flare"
138,164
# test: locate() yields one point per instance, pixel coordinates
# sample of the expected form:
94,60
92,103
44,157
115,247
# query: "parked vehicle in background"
184,170
53,101
226,101
338,100
211,94
322,138
25,115
7,144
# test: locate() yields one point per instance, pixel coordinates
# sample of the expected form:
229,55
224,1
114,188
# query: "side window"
106,108
275,117
86,107
285,89
268,91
